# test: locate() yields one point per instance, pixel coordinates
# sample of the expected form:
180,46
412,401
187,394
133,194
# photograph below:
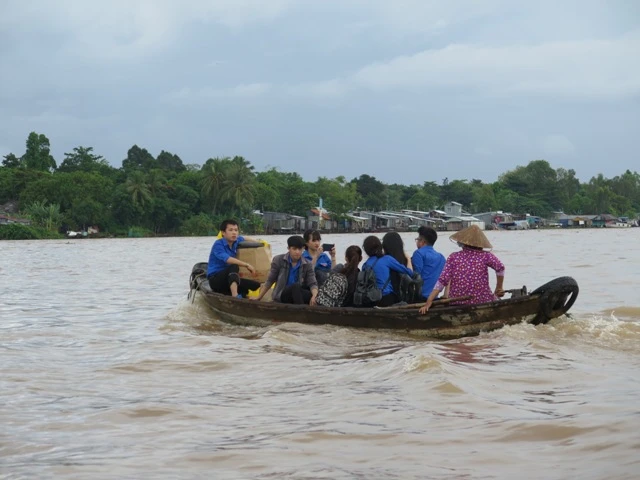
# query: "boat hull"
441,322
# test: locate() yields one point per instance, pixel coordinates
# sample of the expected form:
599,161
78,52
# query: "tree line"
162,195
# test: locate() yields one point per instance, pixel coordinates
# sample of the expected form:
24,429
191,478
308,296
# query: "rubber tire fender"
554,296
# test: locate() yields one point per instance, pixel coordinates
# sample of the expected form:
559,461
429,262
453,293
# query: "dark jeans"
220,282
388,300
295,293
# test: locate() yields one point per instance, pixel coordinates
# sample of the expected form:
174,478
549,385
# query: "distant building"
320,219
355,223
604,220
576,220
493,219
458,223
408,221
453,209
277,222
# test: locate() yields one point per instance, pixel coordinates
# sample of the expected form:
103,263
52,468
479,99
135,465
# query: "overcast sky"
406,90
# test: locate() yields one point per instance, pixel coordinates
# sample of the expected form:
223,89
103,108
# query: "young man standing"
223,269
293,275
426,261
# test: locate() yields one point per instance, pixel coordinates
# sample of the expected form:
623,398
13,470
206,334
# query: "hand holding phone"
326,247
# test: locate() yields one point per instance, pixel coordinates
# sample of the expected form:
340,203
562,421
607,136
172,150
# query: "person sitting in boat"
293,275
319,259
467,271
223,270
340,293
393,245
352,257
382,266
426,261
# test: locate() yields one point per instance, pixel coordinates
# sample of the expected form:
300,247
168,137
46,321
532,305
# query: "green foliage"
237,189
86,212
16,231
293,194
138,232
170,162
372,192
8,190
83,160
457,190
124,210
539,182
267,198
253,224
339,196
43,215
11,161
228,185
199,225
484,199
38,156
13,181
149,196
138,159
137,186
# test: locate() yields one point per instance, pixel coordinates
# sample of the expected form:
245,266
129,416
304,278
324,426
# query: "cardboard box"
259,257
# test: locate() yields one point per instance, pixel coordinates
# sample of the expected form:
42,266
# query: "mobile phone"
326,247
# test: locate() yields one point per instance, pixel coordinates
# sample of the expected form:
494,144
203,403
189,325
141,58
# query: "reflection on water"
107,377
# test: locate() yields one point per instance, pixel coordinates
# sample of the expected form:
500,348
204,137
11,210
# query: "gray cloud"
407,91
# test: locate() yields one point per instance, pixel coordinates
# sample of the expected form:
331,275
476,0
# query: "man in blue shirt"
426,261
224,267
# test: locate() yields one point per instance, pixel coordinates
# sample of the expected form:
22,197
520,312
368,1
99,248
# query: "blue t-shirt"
323,263
383,268
429,264
220,253
293,272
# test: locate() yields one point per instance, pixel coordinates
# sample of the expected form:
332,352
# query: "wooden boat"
443,321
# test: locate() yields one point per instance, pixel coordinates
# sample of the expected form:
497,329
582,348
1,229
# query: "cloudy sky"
406,90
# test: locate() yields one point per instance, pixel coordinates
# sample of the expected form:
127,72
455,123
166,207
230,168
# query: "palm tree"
213,177
137,187
45,215
53,216
37,211
156,181
238,187
242,162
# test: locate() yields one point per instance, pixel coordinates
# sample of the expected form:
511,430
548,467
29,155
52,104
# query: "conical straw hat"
471,236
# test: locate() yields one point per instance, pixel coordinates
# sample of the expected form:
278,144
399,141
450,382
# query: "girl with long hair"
393,245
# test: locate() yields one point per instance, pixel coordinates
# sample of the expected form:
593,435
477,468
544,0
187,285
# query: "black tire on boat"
556,297
197,270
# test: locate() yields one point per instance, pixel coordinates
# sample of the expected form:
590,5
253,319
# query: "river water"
108,371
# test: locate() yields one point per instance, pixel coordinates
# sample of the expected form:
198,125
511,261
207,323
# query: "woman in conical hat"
472,237
467,271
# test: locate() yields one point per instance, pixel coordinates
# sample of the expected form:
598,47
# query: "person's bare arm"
434,293
240,263
499,286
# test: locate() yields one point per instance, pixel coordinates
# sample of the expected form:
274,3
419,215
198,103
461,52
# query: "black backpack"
333,291
367,293
410,289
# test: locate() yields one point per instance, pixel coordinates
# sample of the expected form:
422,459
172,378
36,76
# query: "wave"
601,331
614,329
624,311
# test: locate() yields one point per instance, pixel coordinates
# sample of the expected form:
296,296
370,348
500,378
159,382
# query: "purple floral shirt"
468,273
